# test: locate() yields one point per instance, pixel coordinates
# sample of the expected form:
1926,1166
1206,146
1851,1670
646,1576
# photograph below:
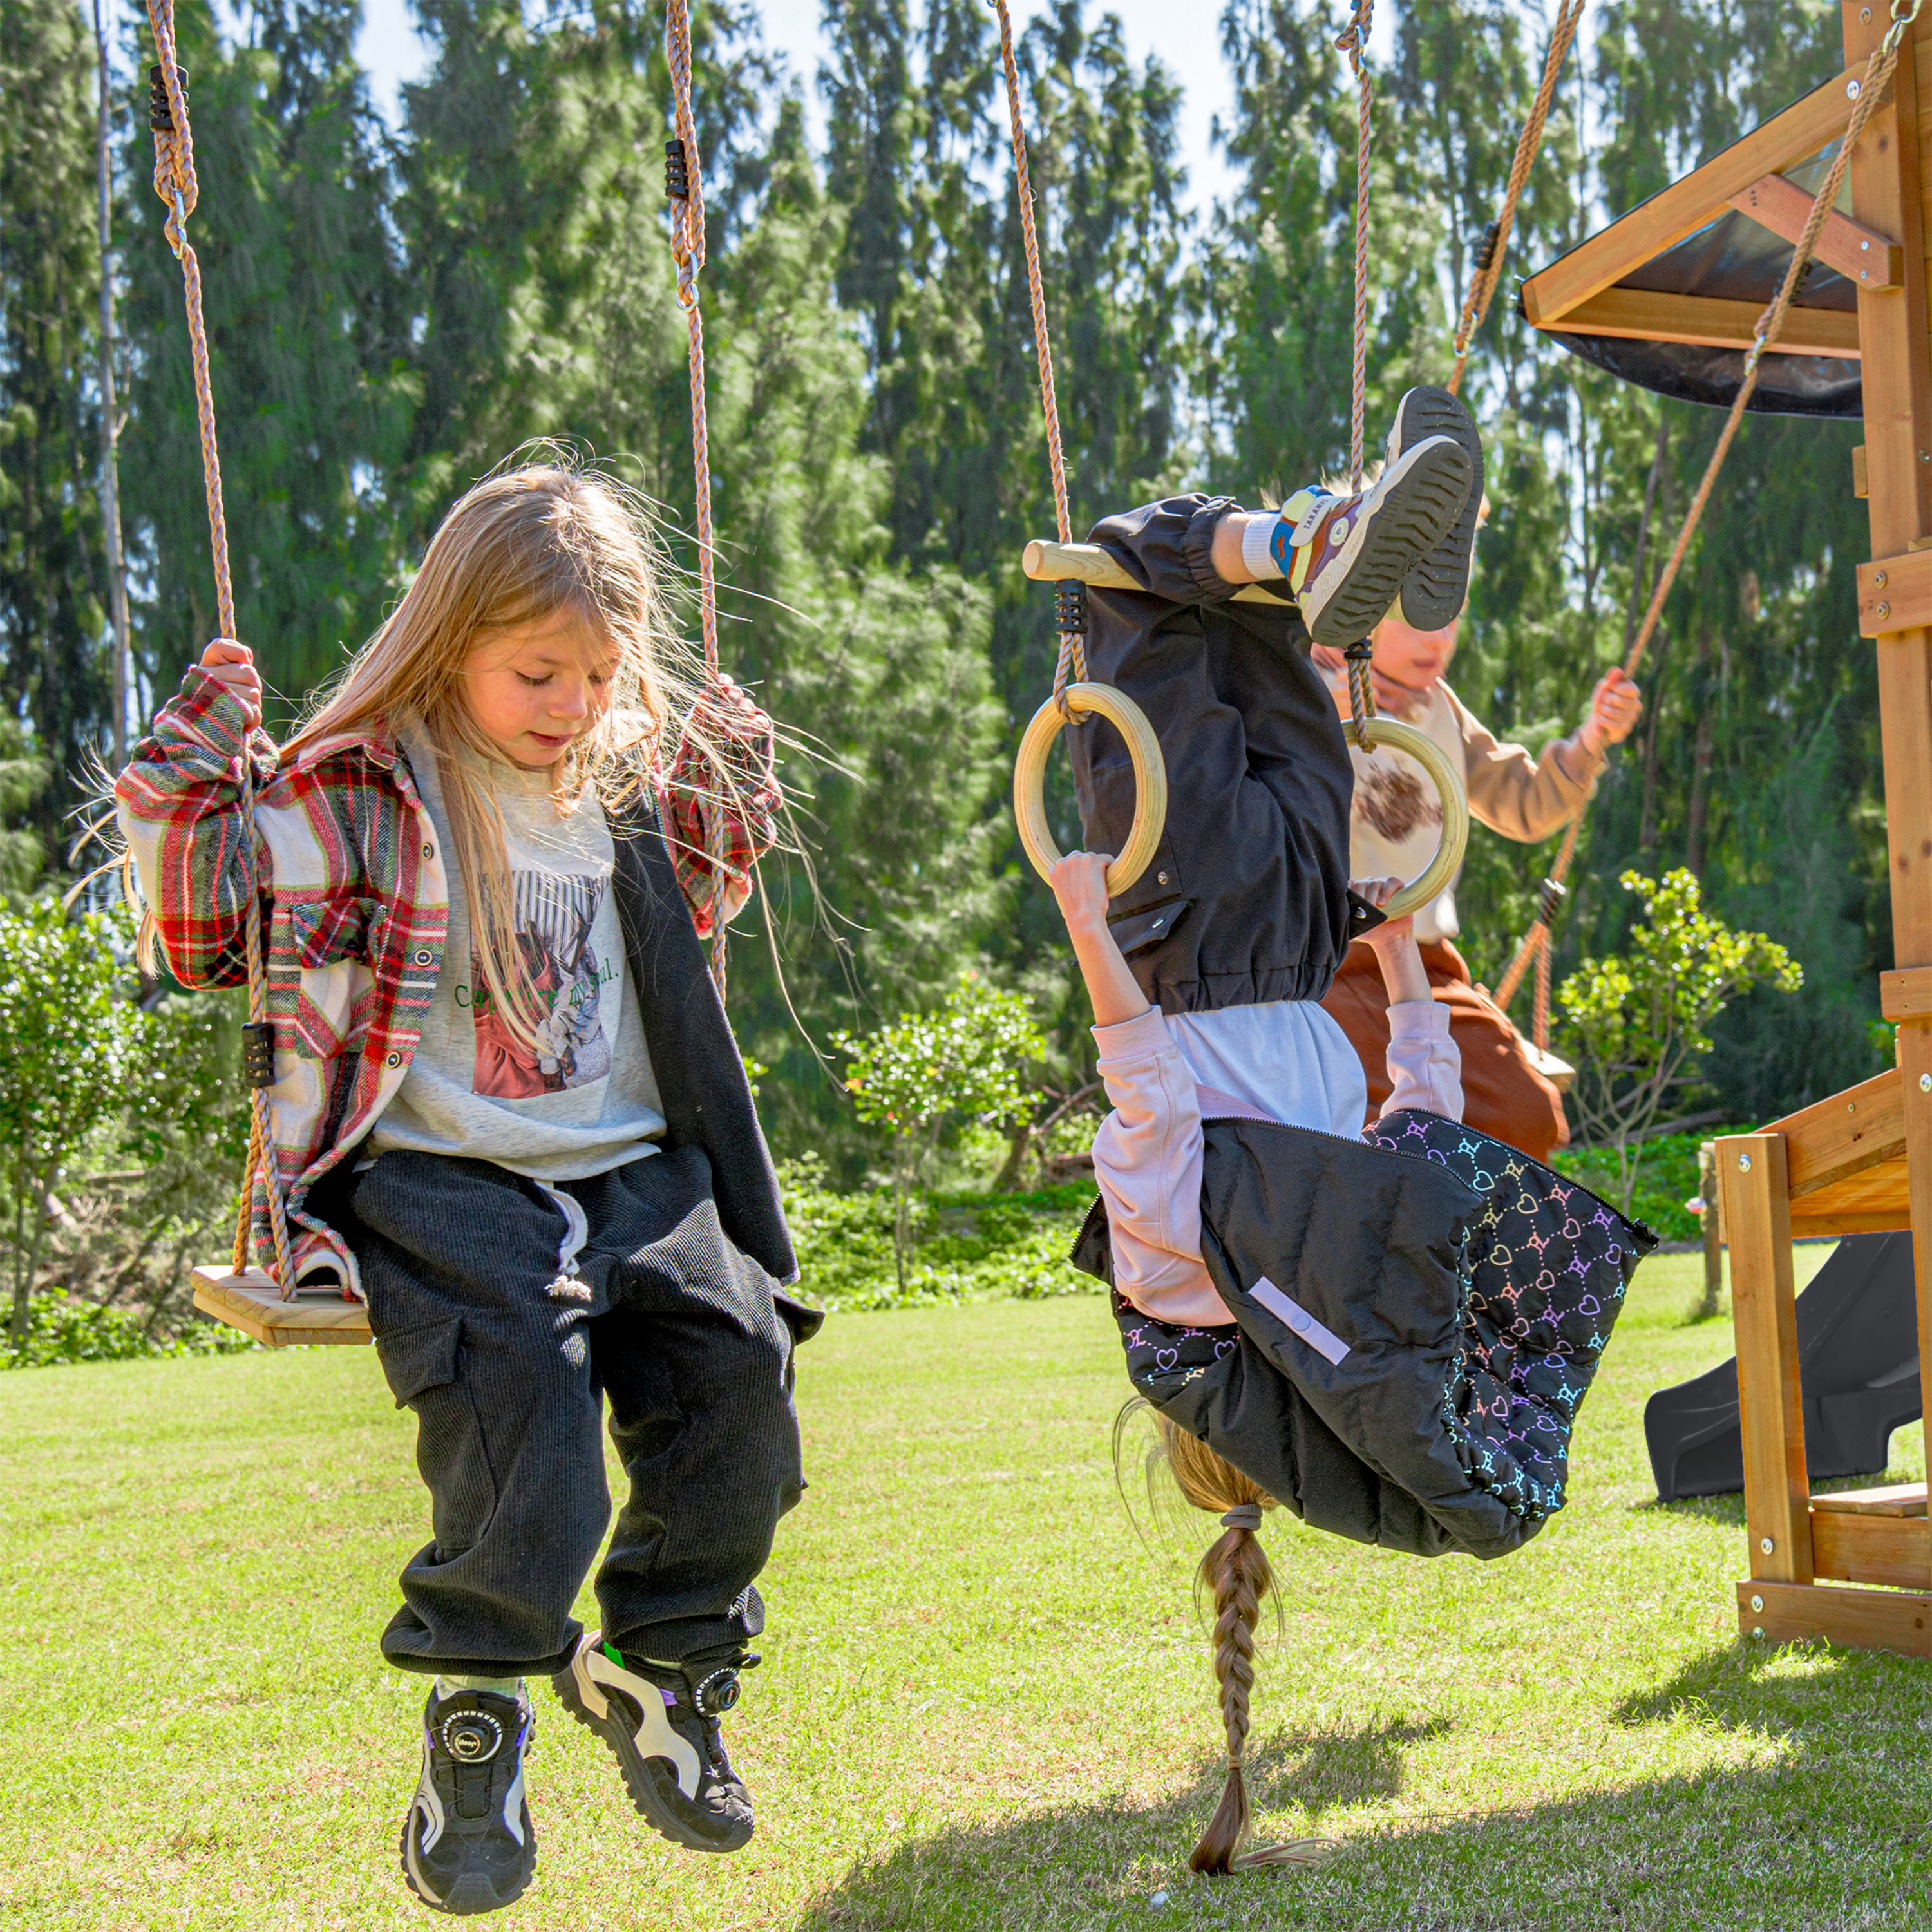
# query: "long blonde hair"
524,543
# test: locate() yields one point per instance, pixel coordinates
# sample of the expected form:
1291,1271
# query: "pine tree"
56,668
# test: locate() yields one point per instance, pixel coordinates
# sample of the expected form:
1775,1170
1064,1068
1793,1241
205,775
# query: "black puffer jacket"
1247,900
1468,1291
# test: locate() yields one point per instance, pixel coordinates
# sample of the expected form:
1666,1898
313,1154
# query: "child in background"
509,1114
1393,826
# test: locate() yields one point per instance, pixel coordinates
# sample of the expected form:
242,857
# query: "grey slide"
1857,1354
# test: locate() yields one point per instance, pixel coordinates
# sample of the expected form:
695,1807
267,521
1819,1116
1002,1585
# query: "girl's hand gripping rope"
232,667
1615,706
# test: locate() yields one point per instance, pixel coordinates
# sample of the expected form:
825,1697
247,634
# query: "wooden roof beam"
1681,209
1646,316
1861,254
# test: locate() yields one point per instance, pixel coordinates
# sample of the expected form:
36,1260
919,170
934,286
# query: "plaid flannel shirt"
354,890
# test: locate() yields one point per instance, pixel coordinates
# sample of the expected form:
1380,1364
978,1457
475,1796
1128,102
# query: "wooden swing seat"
252,1304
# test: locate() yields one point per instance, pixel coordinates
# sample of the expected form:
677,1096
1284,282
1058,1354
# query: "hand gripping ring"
1395,736
1149,782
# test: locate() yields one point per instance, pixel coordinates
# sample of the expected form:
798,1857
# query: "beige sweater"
1397,820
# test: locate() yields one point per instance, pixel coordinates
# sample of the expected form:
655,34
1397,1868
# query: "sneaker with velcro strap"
1345,556
661,1722
468,1845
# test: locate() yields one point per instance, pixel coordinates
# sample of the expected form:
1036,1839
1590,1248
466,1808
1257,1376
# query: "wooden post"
1757,1223
1712,1224
1896,353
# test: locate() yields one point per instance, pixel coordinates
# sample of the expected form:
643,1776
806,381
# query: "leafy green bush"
1667,1178
62,1329
961,1247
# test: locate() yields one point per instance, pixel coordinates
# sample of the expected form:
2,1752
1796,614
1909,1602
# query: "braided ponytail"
1236,1573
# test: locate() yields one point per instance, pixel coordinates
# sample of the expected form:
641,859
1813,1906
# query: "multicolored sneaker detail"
1345,557
1434,591
661,1725
468,1845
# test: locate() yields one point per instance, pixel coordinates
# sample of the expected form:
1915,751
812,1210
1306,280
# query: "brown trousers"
1502,1093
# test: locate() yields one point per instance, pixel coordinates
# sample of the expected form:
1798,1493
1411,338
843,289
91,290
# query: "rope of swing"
1489,268
175,183
1072,658
684,184
1878,71
1355,43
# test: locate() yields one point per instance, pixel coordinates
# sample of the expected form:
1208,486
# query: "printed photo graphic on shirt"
553,915
1391,798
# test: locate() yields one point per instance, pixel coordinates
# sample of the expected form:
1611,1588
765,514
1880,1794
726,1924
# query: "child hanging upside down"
1387,1336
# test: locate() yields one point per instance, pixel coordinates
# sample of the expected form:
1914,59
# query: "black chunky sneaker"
1345,557
467,1843
1434,591
661,1725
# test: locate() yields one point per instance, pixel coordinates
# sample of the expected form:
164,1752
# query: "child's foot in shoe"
1434,591
660,1723
1345,557
467,1843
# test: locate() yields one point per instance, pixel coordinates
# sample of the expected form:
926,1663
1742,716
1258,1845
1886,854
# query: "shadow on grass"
1785,1689
1821,1843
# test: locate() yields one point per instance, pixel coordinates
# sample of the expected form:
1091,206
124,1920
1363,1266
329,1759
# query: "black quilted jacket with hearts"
1418,1318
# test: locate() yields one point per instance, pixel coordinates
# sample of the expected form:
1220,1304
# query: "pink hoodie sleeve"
1147,1160
1425,1065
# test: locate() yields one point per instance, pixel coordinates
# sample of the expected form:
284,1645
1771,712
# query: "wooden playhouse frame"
1861,1161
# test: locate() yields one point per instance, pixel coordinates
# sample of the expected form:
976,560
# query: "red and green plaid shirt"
355,890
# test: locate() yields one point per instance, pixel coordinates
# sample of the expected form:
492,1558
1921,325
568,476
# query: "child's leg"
696,1359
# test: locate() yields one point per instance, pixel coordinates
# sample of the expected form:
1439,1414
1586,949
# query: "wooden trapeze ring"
1149,782
1389,734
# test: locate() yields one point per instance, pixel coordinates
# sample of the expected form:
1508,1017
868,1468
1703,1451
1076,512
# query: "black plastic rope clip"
1549,898
1070,607
161,116
258,1054
677,171
1486,253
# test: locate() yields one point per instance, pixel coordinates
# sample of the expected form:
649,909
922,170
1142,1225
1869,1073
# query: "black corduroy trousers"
507,1359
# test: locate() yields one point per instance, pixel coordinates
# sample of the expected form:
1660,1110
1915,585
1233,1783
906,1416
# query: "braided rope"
1489,268
687,246
1072,657
1354,43
176,183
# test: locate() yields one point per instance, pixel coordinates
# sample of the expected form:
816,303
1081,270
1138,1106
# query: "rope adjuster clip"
258,1054
677,173
1359,656
1070,607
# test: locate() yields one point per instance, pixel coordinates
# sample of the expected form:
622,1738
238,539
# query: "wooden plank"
1895,594
1829,1227
1896,1551
1645,315
1778,1487
1851,1131
1859,253
1860,1619
1905,993
1888,1499
252,1304
1860,488
1804,127
1046,562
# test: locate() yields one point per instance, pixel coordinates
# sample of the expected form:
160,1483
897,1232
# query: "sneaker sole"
1437,587
637,1781
1426,490
471,1893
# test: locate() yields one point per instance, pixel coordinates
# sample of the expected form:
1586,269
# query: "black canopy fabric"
1735,259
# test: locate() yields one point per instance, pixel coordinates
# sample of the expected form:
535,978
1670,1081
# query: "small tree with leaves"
72,1047
913,1077
1639,1020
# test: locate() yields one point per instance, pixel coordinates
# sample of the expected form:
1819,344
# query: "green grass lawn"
985,1701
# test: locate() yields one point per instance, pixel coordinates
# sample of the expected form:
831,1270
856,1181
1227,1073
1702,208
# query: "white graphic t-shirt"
583,1099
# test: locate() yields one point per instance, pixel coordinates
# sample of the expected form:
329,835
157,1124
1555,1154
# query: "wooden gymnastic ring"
1389,734
1149,782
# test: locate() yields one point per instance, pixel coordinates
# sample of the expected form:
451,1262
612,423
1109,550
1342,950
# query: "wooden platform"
254,1304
